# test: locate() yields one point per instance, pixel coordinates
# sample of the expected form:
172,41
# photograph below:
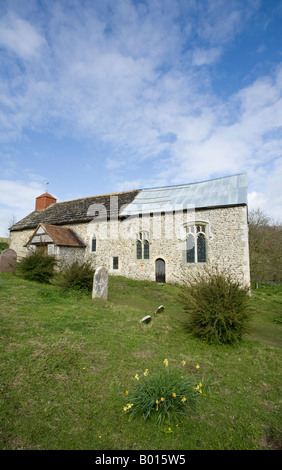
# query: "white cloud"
10,191
265,189
257,200
205,56
221,20
116,72
17,199
251,144
20,37
127,185
117,76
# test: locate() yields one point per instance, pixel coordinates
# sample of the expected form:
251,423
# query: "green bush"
37,266
162,395
77,275
3,246
218,308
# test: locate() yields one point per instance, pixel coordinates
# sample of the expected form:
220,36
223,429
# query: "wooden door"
42,248
160,270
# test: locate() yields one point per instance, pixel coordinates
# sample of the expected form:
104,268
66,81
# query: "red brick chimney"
44,201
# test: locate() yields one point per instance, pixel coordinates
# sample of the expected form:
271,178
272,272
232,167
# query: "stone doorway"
160,271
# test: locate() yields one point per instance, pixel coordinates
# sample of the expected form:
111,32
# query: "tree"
12,221
265,241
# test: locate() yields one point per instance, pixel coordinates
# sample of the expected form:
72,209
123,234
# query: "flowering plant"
162,394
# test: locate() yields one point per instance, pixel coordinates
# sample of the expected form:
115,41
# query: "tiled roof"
63,236
75,211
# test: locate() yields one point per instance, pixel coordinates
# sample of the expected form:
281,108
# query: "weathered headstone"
8,260
100,283
146,319
160,309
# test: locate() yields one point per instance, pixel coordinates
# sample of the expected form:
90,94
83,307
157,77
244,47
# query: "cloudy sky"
99,96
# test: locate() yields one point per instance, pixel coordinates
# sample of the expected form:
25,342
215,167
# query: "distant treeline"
265,241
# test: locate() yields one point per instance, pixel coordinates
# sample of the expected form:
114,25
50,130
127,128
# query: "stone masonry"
226,243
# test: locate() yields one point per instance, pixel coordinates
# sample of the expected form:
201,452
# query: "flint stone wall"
227,243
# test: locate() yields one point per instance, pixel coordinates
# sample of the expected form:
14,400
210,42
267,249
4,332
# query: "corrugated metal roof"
226,191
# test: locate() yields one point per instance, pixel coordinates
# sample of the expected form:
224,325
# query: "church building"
162,234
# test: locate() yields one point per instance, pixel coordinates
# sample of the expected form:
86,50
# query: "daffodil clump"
163,393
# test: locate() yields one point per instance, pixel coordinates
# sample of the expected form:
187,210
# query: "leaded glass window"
190,249
93,244
139,249
146,249
201,248
196,243
143,245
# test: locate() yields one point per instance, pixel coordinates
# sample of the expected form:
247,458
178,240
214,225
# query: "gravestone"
8,260
100,283
160,309
146,319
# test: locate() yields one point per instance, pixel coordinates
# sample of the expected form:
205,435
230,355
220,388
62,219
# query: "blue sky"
100,96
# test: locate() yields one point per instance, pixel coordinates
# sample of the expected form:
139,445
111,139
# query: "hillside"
67,362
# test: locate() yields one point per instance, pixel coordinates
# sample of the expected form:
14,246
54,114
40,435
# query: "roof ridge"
195,182
98,195
53,225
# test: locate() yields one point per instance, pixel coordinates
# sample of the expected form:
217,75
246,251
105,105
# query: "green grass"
66,362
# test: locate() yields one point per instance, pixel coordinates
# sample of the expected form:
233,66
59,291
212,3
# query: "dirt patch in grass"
271,443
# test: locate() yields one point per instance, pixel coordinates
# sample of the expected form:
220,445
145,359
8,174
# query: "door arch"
160,270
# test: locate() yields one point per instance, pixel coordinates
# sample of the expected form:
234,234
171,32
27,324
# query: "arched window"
196,243
146,248
143,245
139,249
93,244
201,248
190,248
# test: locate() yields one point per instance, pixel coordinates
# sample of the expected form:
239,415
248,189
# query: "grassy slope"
67,360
